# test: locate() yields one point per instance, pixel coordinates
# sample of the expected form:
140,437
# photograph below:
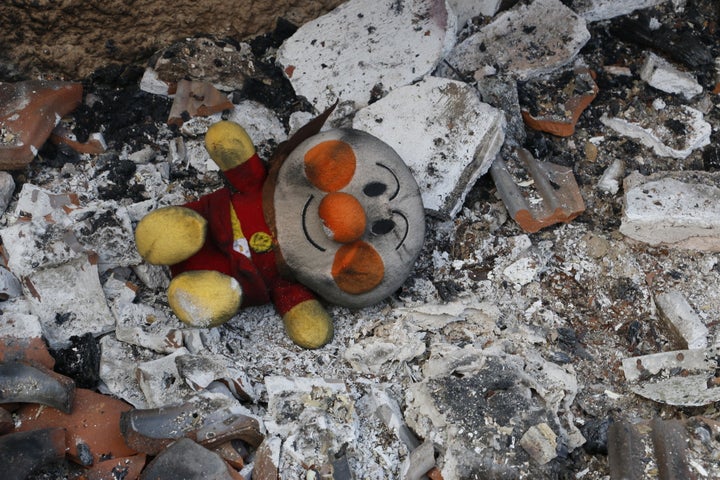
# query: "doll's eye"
382,227
374,189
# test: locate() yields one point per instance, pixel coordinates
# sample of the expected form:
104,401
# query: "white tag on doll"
240,245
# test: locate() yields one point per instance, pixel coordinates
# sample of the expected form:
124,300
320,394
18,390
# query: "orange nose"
343,217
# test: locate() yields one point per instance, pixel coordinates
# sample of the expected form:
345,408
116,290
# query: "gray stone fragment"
523,41
686,327
366,48
443,132
540,442
9,285
186,459
661,74
7,187
673,208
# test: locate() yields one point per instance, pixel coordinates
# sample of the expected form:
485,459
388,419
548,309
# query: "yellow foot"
204,298
308,324
170,235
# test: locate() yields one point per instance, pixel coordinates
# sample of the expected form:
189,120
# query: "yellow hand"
229,144
170,235
204,298
308,324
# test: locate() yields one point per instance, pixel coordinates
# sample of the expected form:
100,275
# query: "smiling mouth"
304,225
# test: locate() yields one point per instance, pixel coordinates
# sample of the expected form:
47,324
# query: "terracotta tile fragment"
28,350
195,98
560,199
95,144
28,113
232,454
25,383
563,125
125,468
434,474
93,426
21,453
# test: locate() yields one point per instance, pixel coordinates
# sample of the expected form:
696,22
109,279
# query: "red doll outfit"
250,260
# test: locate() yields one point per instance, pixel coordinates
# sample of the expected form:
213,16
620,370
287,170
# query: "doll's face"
349,217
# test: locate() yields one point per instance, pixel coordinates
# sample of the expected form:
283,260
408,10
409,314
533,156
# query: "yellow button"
261,242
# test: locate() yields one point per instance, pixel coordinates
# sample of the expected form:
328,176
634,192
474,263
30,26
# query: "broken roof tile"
186,459
22,453
25,383
28,113
93,426
548,205
558,112
196,98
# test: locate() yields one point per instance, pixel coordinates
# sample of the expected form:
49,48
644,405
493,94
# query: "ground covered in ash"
579,295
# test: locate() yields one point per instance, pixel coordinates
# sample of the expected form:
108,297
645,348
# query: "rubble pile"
561,321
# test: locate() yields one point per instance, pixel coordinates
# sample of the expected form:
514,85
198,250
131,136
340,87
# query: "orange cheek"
343,217
330,165
357,268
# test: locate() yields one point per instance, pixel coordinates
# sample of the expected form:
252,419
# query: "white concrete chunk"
661,74
674,208
118,361
68,299
443,132
656,135
160,381
685,325
365,48
596,10
467,9
523,41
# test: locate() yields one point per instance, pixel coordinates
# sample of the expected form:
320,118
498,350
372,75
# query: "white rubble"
673,208
663,75
118,370
596,10
678,377
523,41
373,355
160,381
686,327
443,132
364,49
610,180
467,9
315,417
659,137
7,188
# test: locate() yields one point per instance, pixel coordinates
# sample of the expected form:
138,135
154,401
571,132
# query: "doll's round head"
349,217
